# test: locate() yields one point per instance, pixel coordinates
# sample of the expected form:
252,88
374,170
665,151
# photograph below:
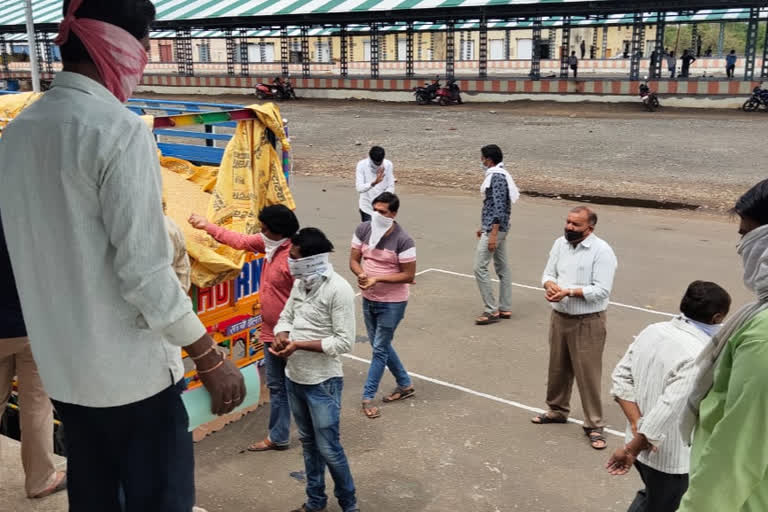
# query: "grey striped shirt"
591,266
657,373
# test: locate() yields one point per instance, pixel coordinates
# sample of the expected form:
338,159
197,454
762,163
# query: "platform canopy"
220,14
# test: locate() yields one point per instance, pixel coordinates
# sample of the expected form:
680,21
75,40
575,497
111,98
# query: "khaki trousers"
576,346
36,413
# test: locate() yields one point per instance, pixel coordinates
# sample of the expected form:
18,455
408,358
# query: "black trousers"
132,458
364,217
662,493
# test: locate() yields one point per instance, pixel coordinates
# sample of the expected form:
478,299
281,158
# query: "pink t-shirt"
386,258
276,279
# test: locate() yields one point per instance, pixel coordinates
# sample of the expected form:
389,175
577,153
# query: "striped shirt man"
656,373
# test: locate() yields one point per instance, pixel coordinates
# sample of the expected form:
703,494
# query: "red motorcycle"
450,94
276,90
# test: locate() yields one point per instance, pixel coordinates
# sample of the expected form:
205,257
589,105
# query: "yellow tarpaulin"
249,178
12,104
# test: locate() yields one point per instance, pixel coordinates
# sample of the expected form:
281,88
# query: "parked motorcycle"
428,93
759,97
450,94
279,91
648,97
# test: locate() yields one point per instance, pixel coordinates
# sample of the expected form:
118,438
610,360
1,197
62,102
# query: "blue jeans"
381,320
279,410
316,410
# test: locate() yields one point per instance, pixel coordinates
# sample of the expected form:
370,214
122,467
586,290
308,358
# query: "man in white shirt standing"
578,281
374,176
651,383
107,317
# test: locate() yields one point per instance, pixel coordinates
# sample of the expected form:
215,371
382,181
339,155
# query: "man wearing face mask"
82,214
577,281
383,258
651,384
375,175
316,327
727,410
499,193
278,225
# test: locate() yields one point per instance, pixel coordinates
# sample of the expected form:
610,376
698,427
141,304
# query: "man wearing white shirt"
374,176
651,383
578,281
80,191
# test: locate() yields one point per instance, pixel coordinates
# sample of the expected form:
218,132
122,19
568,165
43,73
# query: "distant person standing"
578,279
708,53
687,59
652,65
573,62
583,49
499,192
671,64
730,63
375,175
35,408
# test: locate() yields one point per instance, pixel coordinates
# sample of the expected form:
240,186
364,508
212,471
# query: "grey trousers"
482,261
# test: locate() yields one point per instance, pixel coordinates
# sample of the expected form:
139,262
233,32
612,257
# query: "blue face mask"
708,329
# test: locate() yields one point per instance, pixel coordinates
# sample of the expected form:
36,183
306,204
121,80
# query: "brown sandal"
487,318
399,394
267,445
505,315
370,411
596,436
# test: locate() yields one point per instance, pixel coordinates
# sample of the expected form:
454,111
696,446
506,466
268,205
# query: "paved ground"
465,442
692,156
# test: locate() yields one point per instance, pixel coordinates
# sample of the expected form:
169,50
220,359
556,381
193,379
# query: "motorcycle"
427,94
648,97
282,91
450,94
759,97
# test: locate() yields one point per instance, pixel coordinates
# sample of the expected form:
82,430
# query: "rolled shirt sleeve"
130,197
550,271
343,321
603,272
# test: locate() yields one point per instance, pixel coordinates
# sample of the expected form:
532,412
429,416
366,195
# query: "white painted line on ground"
494,398
538,288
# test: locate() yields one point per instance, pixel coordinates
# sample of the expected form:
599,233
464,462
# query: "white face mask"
379,226
271,246
309,269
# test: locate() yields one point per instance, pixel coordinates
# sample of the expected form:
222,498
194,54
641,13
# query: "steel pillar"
536,57
638,37
306,58
661,25
565,46
382,47
603,53
44,53
184,57
4,56
507,44
419,42
721,40
285,53
374,50
244,65
344,57
408,50
695,40
262,50
593,47
450,50
230,40
483,50
751,49
764,69
552,43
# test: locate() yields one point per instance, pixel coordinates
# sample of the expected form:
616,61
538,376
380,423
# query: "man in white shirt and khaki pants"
578,281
